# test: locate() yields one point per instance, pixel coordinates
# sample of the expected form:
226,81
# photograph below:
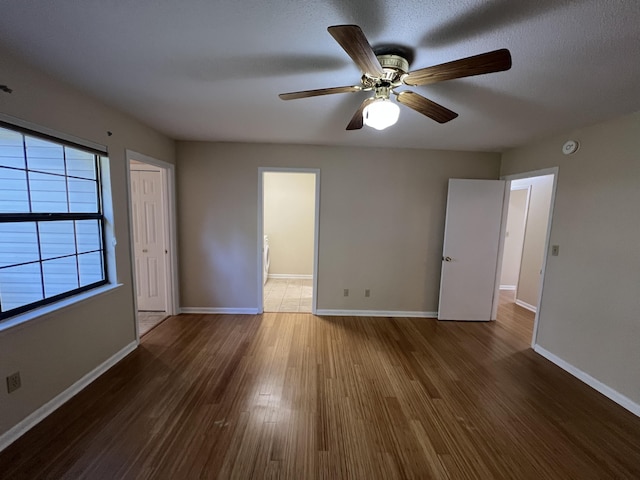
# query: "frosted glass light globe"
381,113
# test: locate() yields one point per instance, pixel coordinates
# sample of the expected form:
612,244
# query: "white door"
148,236
470,253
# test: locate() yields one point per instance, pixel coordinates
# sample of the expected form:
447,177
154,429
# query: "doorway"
288,237
152,230
525,249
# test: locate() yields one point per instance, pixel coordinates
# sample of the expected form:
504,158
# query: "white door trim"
316,232
170,231
536,173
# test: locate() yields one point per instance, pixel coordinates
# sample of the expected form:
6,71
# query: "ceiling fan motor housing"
394,66
394,62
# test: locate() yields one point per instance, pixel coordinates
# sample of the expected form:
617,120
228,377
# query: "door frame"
316,230
509,178
167,171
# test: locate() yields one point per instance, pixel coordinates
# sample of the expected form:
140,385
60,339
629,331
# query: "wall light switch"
555,250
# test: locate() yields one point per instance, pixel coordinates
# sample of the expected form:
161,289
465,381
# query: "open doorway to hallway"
524,252
289,235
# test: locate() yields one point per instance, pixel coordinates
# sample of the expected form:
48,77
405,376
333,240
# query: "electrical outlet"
367,293
13,382
346,292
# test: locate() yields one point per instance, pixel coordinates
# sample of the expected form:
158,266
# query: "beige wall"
289,214
514,238
541,189
588,316
381,221
57,350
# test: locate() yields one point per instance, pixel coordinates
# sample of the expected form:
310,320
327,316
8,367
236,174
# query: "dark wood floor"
292,396
516,320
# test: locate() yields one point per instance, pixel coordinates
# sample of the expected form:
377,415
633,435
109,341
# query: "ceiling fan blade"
357,121
496,61
319,92
426,107
353,41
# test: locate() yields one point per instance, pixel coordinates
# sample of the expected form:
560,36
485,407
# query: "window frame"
20,217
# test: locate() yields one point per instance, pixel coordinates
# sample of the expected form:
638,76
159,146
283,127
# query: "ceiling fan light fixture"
387,68
381,113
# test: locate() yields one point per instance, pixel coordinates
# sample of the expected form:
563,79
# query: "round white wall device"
570,146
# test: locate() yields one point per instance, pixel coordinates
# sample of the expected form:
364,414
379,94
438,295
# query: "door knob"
446,259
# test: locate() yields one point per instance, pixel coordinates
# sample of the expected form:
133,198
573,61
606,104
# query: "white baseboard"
375,313
52,405
508,287
607,391
226,311
526,305
291,276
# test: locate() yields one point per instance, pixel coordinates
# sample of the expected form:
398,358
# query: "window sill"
28,318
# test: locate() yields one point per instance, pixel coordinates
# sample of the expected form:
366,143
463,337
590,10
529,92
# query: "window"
51,222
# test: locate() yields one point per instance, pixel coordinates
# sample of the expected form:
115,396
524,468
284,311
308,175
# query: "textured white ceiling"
212,70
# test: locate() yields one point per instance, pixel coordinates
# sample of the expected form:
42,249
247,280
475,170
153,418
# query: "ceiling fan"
383,73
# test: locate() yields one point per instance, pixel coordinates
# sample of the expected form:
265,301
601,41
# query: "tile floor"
148,320
288,295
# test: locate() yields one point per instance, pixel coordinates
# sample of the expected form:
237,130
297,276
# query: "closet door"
148,228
